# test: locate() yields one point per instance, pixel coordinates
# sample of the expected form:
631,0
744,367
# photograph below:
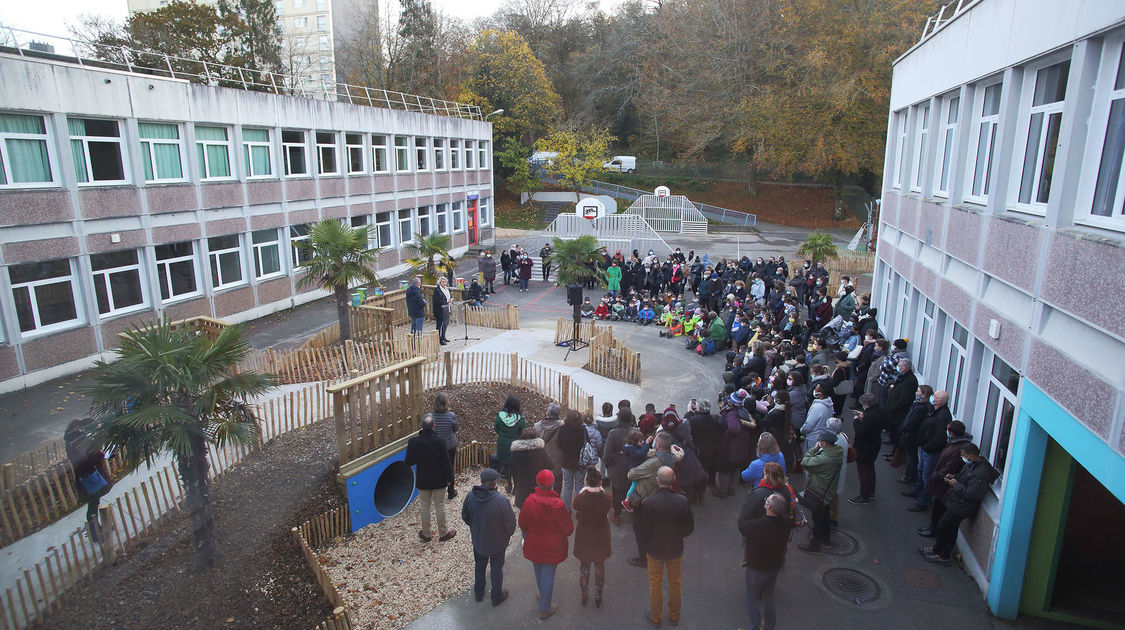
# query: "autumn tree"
513,168
581,153
506,75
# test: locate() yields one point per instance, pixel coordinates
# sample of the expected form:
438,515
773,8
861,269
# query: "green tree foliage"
340,258
576,260
512,158
818,247
430,256
506,75
177,390
581,154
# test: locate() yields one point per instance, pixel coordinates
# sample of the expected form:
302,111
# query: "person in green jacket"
613,278
822,464
508,426
719,333
845,306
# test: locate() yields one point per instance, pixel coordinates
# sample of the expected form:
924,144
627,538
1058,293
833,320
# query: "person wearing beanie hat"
491,524
740,438
822,464
546,525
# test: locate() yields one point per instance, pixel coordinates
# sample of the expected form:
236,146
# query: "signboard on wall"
473,195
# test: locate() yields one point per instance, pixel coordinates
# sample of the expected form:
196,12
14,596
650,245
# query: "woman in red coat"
591,536
545,524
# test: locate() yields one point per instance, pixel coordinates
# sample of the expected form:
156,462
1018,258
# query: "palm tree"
577,260
175,389
430,256
340,258
818,247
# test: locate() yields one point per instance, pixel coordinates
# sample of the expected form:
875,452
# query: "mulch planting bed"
476,406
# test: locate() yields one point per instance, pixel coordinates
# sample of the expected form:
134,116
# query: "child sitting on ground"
618,310
602,312
645,315
631,312
587,308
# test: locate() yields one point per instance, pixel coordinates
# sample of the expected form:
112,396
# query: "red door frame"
472,221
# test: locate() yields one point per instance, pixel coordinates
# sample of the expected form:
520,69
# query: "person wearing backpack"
548,431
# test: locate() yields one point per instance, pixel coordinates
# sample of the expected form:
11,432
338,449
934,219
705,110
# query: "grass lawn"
510,214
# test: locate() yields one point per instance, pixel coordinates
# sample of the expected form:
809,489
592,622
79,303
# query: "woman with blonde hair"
768,452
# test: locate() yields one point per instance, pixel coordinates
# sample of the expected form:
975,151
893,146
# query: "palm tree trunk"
197,499
341,291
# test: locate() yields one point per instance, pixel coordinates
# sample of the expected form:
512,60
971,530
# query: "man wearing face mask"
961,500
934,436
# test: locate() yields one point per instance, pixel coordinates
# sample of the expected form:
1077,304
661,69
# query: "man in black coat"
491,523
427,452
416,306
932,439
869,424
900,395
766,537
665,521
962,500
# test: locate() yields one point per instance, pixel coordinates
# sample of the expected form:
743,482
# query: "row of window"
100,153
46,294
927,157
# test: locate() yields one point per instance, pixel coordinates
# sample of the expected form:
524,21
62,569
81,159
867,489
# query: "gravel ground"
476,407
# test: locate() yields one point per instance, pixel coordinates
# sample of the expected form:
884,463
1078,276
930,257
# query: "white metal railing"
150,63
616,231
945,14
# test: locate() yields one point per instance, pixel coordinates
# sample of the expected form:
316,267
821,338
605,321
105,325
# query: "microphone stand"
465,320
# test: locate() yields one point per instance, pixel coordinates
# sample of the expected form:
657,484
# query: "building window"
267,253
354,142
300,22
322,42
469,149
321,5
482,155
224,254
96,147
984,140
421,149
1107,142
922,118
213,149
1043,133
443,218
483,207
999,413
299,43
160,151
382,234
900,148
424,220
402,153
948,137
43,294
457,221
322,23
405,231
118,284
957,359
256,145
299,234
175,268
293,146
379,153
925,335
24,158
326,153
454,155
439,154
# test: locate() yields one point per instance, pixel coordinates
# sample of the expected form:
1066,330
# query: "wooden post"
349,360
447,359
515,370
564,385
106,539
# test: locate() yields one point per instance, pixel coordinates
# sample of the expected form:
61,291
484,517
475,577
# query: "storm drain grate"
852,585
842,544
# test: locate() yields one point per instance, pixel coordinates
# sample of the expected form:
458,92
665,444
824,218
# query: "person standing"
528,458
613,279
766,539
615,460
91,473
591,534
666,520
442,301
445,427
869,424
509,424
822,464
525,264
548,430
546,525
544,263
934,436
433,473
962,500
491,524
506,265
487,266
416,306
571,439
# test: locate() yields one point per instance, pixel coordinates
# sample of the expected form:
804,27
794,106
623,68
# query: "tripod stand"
465,321
575,342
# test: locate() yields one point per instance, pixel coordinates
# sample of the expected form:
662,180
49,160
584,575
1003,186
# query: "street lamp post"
499,111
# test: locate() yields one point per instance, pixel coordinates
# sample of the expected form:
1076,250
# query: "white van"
621,164
540,158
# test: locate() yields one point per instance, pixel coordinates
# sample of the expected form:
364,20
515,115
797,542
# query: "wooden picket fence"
473,454
848,263
613,359
314,533
506,317
377,408
310,364
564,330
141,508
201,323
506,369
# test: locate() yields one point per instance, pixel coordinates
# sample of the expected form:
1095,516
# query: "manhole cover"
842,544
852,585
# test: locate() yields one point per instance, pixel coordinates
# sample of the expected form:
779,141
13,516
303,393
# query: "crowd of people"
797,365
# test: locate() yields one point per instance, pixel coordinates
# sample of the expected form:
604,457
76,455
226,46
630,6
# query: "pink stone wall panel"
886,252
8,366
44,352
908,215
331,186
385,205
112,327
263,192
457,178
404,182
266,221
460,240
221,195
1082,392
35,206
955,301
274,290
172,198
46,249
298,217
359,185
130,239
931,221
190,308
296,189
1084,277
486,235
888,213
176,233
223,227
388,258
1012,338
117,201
230,302
360,209
403,202
926,280
384,183
1012,251
335,212
963,236
441,180
424,181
